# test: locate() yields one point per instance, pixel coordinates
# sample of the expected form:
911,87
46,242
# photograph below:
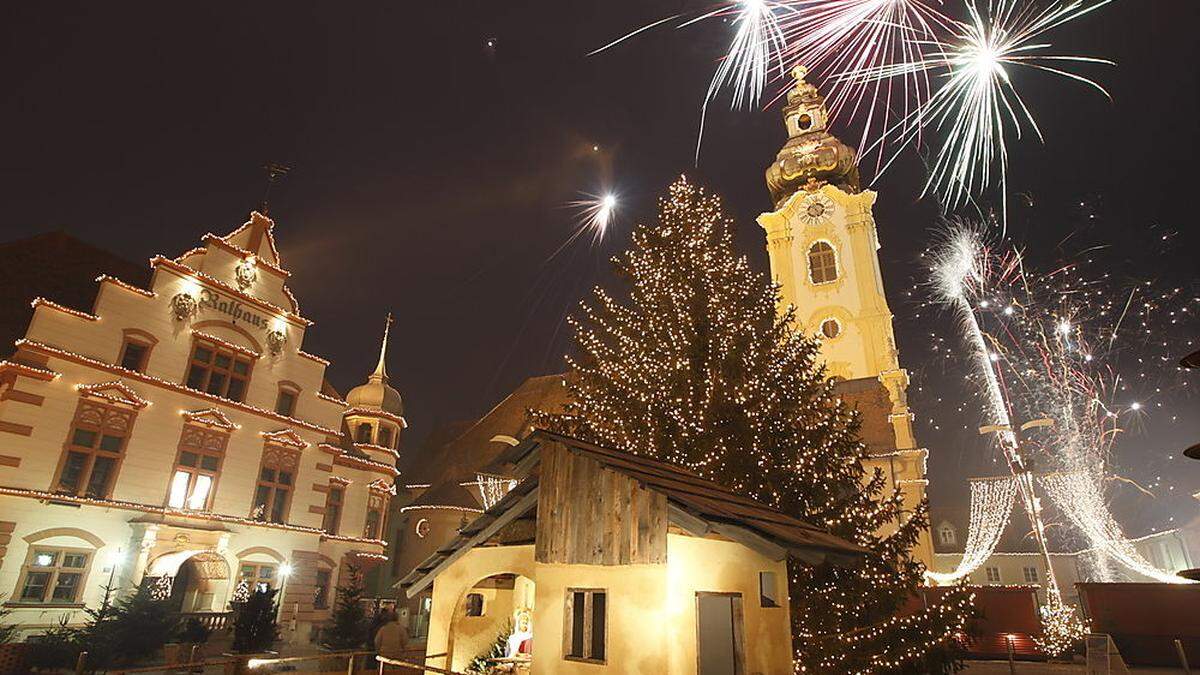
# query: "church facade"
179,434
823,246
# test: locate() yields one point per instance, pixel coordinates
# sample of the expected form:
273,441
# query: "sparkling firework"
595,214
835,39
1046,346
977,103
755,51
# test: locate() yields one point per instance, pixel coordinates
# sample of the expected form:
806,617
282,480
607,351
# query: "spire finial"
799,73
381,369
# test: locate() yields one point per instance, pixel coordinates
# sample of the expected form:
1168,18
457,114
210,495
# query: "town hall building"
179,433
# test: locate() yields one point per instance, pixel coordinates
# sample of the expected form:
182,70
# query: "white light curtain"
1078,495
991,507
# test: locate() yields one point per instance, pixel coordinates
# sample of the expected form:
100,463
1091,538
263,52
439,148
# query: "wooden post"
1012,665
350,665
1182,657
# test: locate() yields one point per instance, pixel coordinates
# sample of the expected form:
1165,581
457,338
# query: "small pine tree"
498,649
130,630
698,367
254,626
350,627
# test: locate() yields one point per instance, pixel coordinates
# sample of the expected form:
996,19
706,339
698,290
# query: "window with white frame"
993,574
258,576
1031,574
53,575
946,535
822,263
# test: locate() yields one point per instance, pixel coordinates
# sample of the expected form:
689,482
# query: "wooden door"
719,648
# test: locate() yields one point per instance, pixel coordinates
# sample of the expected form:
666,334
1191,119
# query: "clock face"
816,208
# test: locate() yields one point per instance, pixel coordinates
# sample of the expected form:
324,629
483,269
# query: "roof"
871,399
697,505
445,496
476,447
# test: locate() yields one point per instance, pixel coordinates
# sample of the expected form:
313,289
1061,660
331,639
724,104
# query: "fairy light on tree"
693,363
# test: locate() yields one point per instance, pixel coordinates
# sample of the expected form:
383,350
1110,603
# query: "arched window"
822,263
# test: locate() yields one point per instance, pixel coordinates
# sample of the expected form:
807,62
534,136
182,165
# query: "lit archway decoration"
991,507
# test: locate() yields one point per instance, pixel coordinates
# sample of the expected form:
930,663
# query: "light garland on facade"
25,370
991,507
285,437
185,271
327,397
372,412
127,397
324,362
1078,496
215,418
150,379
179,513
43,302
104,278
429,507
341,457
378,448
232,346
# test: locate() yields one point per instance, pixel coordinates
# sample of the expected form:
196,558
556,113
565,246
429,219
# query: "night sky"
431,172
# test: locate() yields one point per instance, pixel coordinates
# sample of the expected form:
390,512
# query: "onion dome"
811,154
376,394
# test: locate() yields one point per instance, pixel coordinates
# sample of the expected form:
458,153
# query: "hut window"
585,637
474,604
768,589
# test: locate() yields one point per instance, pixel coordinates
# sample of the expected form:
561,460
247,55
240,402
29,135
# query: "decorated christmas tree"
693,363
350,626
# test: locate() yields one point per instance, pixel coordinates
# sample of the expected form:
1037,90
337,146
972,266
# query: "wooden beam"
750,540
692,524
518,509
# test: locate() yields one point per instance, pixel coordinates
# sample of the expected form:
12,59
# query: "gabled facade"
608,562
179,431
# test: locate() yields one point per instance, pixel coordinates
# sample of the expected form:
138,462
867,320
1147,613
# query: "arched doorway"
199,580
493,620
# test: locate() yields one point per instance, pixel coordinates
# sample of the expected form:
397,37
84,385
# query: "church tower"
823,247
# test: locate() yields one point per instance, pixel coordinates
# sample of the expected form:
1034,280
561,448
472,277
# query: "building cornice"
41,495
33,345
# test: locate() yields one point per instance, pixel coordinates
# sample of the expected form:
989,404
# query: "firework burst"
977,104
835,39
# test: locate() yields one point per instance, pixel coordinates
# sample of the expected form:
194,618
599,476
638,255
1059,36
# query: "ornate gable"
286,437
210,417
113,392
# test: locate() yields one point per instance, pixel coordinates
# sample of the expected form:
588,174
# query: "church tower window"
822,263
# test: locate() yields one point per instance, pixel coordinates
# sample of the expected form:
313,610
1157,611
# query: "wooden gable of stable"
591,515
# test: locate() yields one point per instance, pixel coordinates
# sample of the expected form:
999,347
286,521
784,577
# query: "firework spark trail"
977,101
836,38
1046,348
756,50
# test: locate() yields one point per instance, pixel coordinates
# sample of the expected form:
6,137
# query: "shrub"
254,628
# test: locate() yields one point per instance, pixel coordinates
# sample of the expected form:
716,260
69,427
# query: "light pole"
1011,442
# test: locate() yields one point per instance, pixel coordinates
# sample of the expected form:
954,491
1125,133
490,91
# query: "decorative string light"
493,488
991,506
1078,496
695,364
